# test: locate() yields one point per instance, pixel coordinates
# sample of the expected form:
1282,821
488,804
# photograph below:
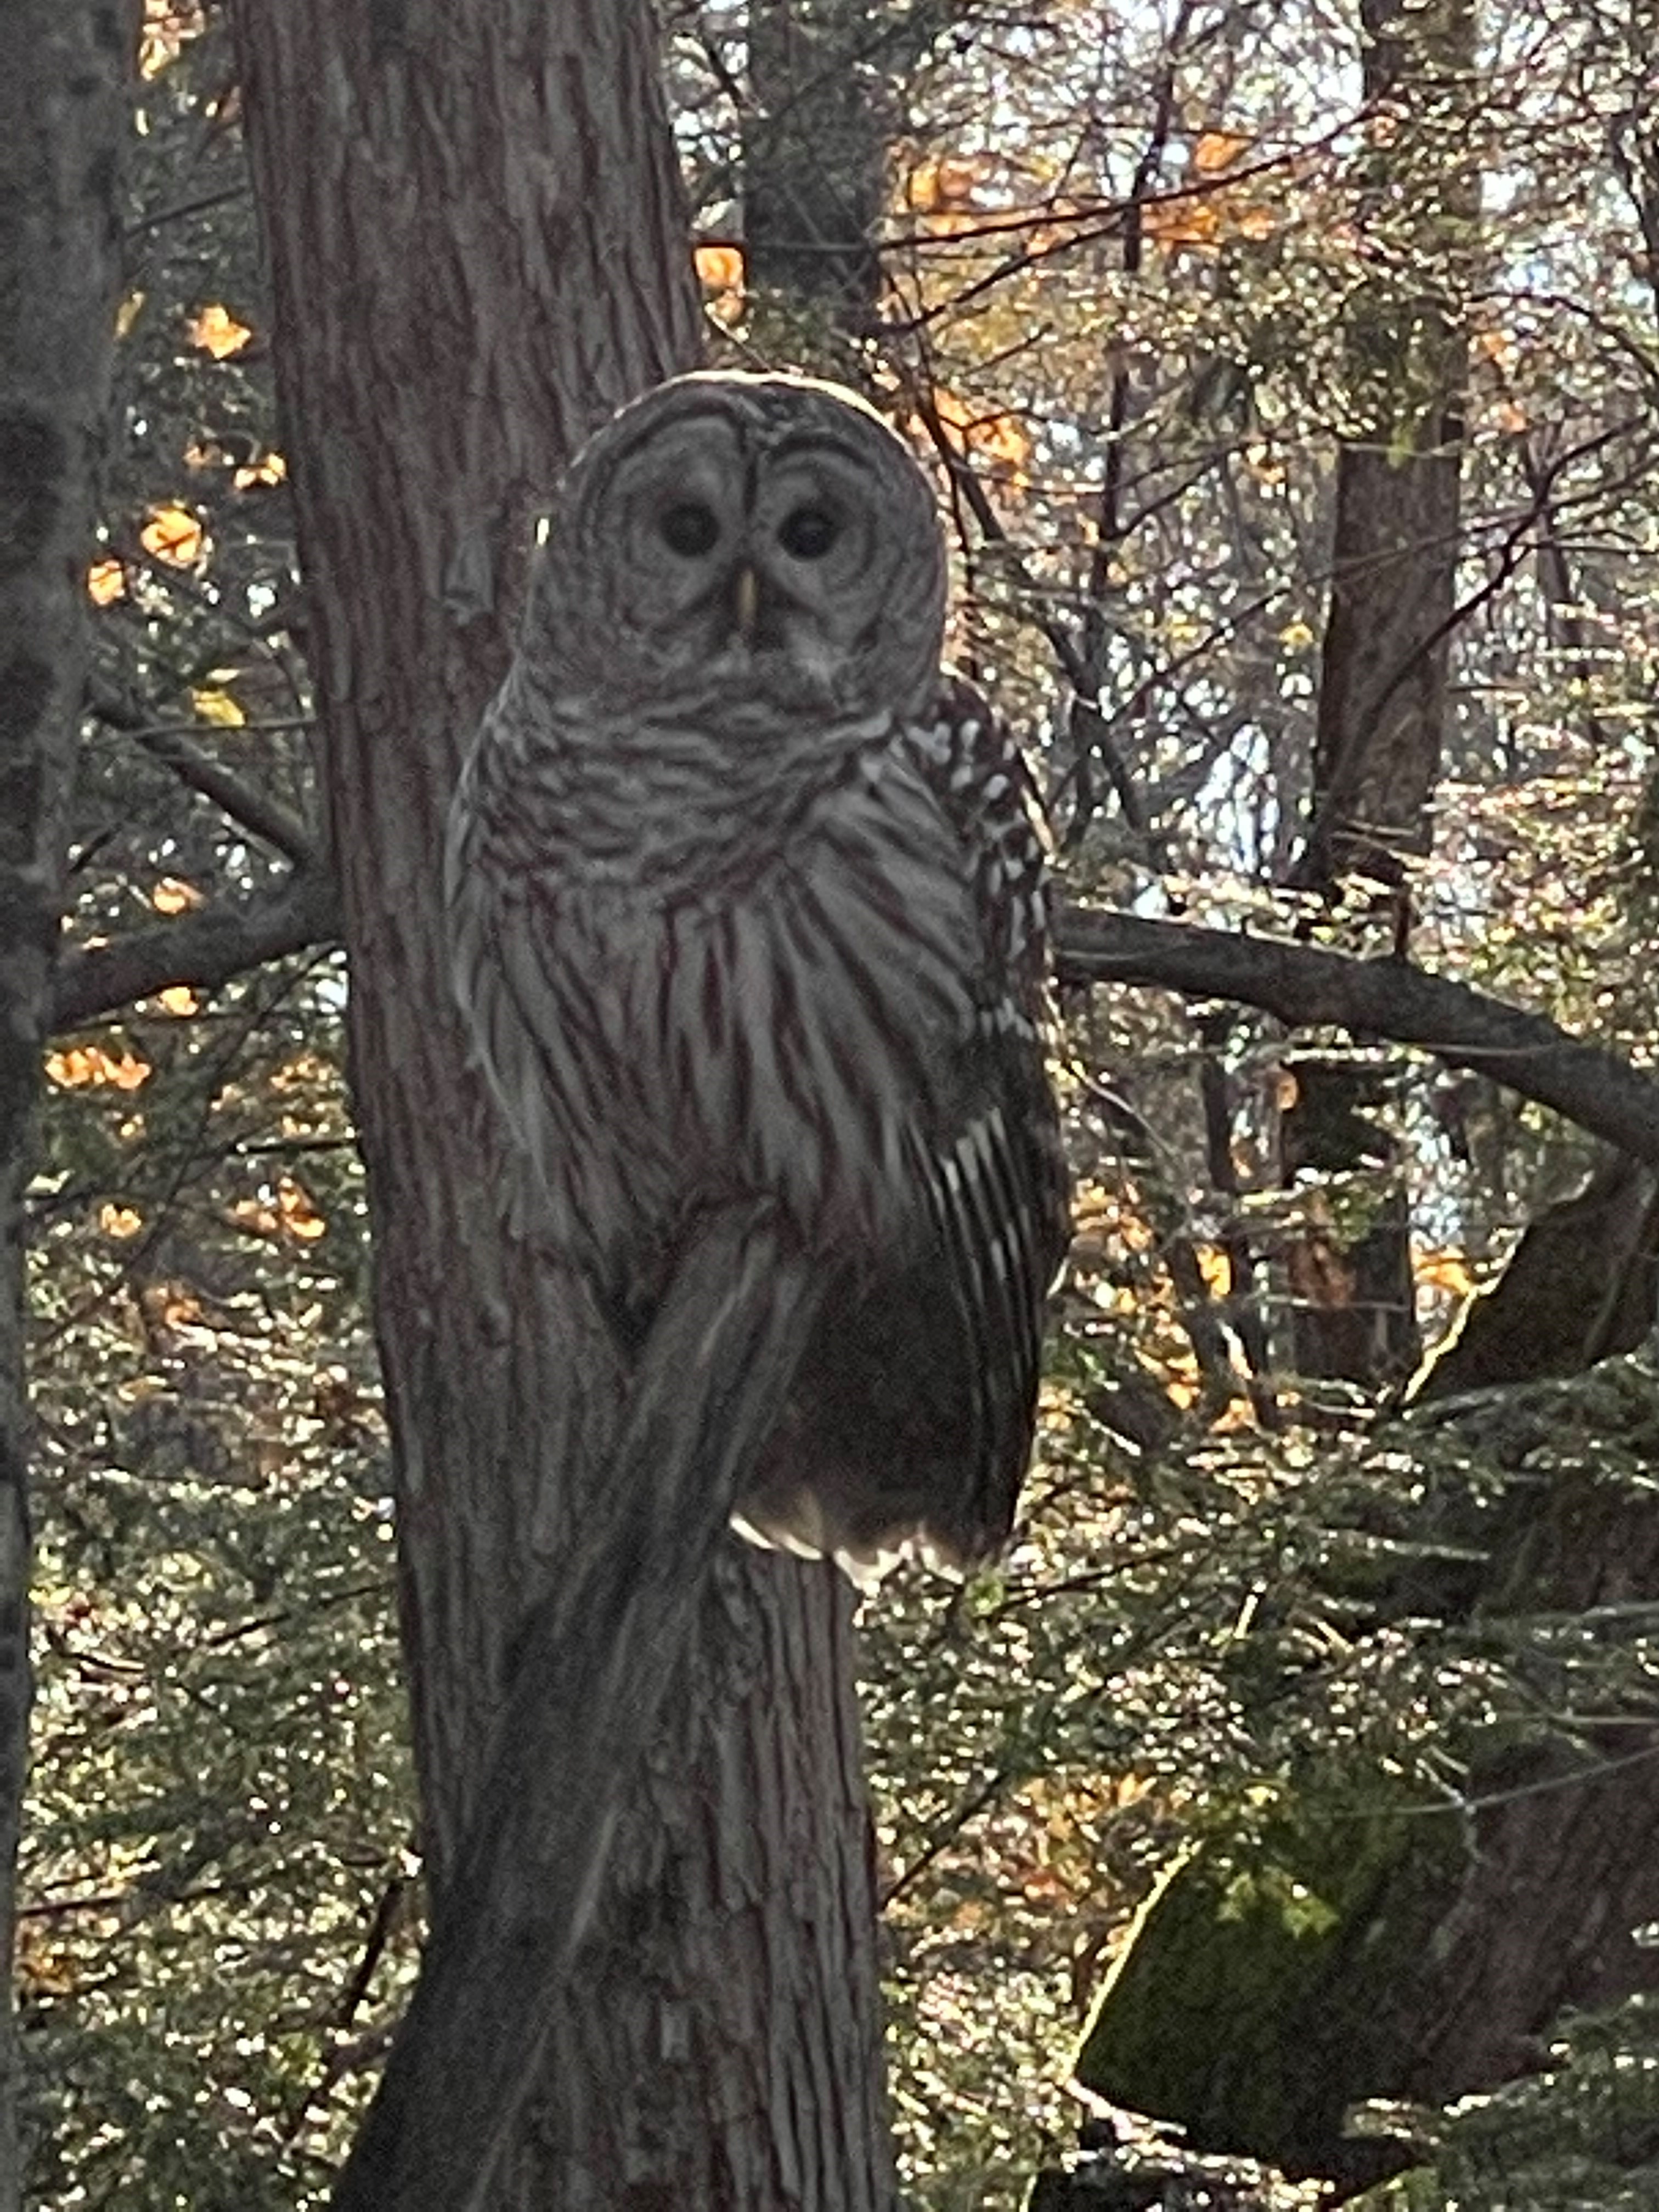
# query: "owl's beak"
745,602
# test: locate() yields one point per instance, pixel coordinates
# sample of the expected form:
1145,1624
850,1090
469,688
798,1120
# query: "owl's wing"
998,1183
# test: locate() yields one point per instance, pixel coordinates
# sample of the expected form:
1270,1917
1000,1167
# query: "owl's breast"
750,1015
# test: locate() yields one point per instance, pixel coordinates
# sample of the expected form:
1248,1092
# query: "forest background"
1290,374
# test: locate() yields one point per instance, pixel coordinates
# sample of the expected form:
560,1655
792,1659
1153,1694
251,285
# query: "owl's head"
730,540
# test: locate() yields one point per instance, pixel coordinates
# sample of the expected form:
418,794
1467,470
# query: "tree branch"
1309,988
244,803
206,948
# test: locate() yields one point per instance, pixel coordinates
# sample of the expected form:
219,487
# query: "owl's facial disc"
764,562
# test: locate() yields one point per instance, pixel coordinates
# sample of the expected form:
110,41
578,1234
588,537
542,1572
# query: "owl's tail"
713,1374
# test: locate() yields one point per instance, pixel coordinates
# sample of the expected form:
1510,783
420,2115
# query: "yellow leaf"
948,182
171,534
1297,635
178,999
85,1065
119,1220
269,468
106,582
217,332
216,706
168,24
171,895
128,313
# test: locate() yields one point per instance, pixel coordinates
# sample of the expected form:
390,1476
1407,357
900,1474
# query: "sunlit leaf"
217,332
720,268
269,469
172,895
173,534
89,1065
213,705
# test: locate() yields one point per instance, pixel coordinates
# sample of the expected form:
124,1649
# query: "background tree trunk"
478,249
1384,661
62,126
815,152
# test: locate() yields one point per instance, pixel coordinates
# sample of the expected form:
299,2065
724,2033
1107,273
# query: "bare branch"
254,810
205,949
1309,988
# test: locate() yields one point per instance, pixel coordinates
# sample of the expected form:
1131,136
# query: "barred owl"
747,902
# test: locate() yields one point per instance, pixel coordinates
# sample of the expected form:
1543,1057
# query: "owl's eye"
808,532
689,528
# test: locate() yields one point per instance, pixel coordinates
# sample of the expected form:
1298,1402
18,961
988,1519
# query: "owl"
747,904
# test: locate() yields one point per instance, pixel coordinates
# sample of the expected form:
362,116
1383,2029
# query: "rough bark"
1581,1285
1383,695
1388,635
63,127
477,250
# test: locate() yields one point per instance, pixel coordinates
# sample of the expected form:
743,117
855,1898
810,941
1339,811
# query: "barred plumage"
748,901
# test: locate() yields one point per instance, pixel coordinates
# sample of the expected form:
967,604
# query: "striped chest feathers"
777,1004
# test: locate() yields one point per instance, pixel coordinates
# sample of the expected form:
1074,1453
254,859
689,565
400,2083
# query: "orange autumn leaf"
216,330
1217,1269
119,1220
1182,220
172,895
996,437
1217,151
89,1065
720,268
720,272
178,999
173,534
1444,1271
106,582
297,1215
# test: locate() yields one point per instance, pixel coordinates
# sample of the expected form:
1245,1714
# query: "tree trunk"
63,128
477,248
815,153
1388,631
1384,662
